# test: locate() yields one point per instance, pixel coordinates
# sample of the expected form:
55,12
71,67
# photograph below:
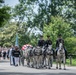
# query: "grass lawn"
73,62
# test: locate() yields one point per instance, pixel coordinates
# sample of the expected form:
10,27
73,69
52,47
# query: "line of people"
14,53
4,53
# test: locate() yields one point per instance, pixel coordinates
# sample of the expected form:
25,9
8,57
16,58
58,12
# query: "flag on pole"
16,40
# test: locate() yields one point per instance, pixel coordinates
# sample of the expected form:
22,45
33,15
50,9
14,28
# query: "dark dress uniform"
60,40
48,42
16,54
41,43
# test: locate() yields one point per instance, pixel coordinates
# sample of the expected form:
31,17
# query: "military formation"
41,56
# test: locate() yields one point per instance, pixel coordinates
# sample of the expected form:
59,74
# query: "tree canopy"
47,8
45,16
4,13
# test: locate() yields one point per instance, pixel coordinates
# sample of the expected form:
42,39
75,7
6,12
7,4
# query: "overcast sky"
11,3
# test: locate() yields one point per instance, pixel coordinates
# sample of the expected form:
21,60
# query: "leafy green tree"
8,34
57,26
1,1
4,13
47,8
23,39
71,44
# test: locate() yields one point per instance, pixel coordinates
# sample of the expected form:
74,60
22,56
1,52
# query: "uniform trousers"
16,61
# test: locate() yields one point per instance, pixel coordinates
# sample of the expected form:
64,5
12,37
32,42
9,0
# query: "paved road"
6,69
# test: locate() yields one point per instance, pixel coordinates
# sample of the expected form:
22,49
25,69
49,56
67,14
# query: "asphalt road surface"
6,69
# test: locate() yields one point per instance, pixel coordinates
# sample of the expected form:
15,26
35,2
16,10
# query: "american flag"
25,46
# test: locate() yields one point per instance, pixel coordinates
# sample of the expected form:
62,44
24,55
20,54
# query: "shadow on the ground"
2,69
10,73
4,61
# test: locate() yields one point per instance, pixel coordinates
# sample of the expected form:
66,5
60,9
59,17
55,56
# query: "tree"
4,13
57,26
8,34
47,8
71,44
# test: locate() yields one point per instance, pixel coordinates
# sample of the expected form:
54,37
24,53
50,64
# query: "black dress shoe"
16,65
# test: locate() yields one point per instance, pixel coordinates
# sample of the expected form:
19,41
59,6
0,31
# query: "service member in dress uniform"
16,54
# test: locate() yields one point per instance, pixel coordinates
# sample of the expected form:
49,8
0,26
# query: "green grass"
68,62
73,62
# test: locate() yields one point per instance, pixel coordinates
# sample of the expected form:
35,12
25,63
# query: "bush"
70,44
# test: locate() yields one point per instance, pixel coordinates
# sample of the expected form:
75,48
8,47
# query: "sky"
11,3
